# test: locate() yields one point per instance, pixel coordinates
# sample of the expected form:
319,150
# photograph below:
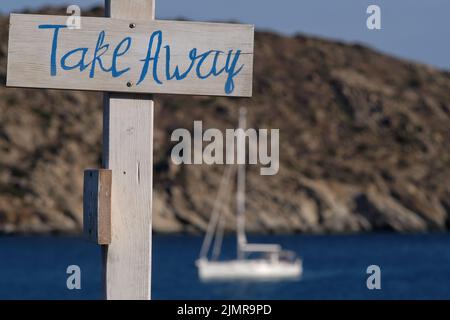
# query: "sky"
417,30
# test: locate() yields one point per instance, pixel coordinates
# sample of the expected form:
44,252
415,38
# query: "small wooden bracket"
97,205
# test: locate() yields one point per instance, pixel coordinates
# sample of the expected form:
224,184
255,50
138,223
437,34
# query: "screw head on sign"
132,25
129,84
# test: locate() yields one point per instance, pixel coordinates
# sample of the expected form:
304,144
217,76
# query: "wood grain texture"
30,52
128,152
97,205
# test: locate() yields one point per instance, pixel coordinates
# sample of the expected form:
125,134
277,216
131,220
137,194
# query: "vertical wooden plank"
97,205
141,10
128,150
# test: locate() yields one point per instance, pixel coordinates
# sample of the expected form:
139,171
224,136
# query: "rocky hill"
365,145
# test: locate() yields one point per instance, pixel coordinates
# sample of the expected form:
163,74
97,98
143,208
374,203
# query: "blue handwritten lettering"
212,63
214,71
98,56
80,63
118,53
54,44
230,69
155,59
176,73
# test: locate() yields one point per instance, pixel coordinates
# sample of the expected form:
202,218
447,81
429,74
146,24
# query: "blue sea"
412,267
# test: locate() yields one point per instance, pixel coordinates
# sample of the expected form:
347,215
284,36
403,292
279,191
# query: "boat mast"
215,220
240,197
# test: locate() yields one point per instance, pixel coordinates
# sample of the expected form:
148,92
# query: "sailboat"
253,261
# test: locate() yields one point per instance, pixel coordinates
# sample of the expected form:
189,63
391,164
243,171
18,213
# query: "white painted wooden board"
206,55
128,152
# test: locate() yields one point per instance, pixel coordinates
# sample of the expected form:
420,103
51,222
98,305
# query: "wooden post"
128,152
97,205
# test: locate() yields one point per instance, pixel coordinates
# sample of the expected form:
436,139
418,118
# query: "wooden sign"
131,56
128,55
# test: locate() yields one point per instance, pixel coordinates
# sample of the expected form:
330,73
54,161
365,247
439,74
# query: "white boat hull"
249,269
